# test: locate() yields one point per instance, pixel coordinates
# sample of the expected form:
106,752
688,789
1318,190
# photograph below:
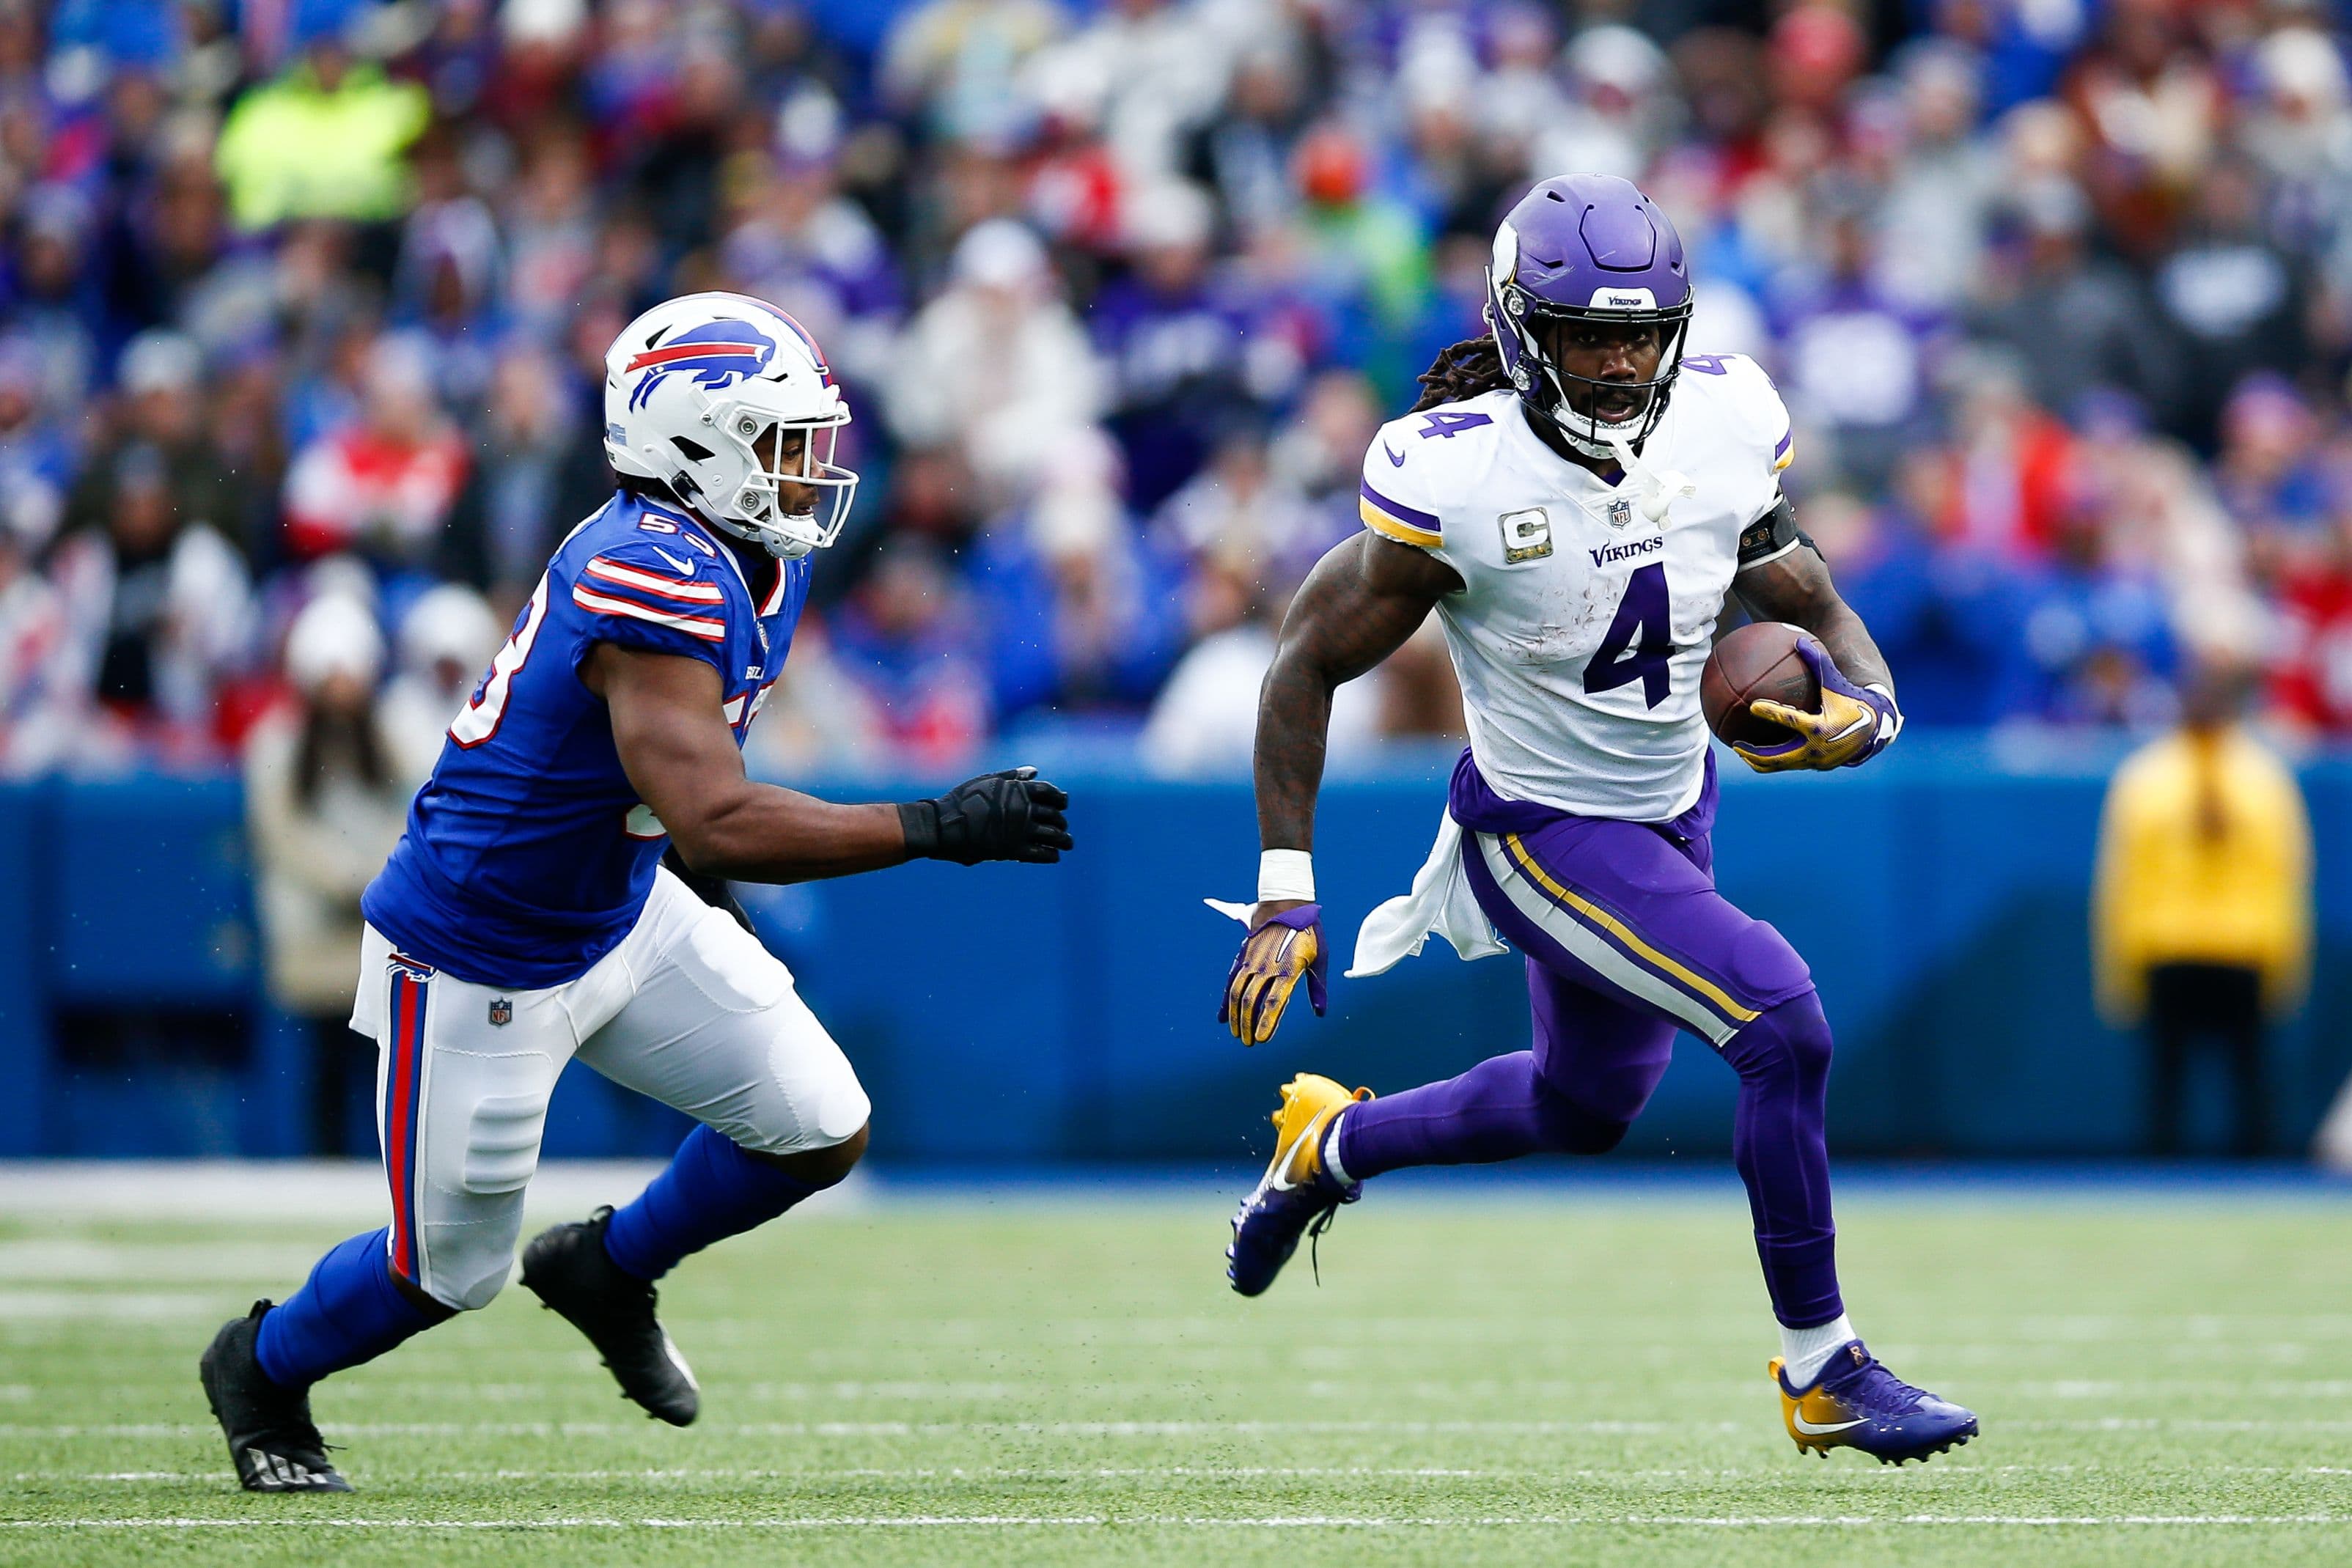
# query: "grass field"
1487,1374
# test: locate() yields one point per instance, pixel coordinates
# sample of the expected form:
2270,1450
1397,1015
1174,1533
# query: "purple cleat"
1856,1403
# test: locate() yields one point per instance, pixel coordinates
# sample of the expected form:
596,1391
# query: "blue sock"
711,1190
347,1311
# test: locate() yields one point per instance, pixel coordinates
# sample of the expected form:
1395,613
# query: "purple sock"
1778,1142
1499,1110
347,1311
711,1190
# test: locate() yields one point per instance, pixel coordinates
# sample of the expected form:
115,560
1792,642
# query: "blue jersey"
527,856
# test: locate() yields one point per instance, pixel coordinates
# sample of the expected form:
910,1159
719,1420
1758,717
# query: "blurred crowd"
304,302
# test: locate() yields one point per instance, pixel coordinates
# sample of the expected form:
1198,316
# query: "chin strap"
1660,488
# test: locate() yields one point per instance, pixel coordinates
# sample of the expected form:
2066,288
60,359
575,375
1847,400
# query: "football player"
1573,496
559,894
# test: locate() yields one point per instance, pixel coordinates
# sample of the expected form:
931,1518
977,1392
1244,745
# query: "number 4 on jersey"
1448,424
1639,642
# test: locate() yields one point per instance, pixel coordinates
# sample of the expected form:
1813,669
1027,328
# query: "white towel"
1440,904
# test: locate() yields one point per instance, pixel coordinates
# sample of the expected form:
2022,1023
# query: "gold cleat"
1297,1196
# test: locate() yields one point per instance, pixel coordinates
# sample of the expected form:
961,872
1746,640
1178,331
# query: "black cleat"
270,1435
566,1267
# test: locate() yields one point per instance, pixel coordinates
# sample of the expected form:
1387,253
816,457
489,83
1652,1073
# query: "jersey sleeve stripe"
612,572
1785,453
1396,521
700,626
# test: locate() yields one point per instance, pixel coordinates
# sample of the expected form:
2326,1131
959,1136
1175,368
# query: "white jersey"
1581,625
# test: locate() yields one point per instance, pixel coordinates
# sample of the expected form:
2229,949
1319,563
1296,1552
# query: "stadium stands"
2061,297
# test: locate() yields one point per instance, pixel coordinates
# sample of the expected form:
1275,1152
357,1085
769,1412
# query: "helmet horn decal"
717,353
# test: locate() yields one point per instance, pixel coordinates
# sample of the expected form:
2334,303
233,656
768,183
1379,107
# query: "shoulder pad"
1417,460
1744,398
654,579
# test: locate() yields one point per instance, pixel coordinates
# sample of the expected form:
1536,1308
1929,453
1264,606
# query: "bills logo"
716,354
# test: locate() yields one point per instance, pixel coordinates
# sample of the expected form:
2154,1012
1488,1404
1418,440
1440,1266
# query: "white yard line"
91,1260
1887,1477
890,1428
1213,1521
112,1306
1218,1429
317,1191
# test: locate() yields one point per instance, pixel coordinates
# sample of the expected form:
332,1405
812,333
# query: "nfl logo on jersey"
502,1012
1621,513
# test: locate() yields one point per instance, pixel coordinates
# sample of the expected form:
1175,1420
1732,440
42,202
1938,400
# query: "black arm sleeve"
1771,535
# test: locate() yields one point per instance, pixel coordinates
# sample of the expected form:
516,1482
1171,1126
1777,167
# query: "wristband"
1892,724
920,820
1286,874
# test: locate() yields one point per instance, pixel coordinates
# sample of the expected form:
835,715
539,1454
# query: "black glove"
1009,816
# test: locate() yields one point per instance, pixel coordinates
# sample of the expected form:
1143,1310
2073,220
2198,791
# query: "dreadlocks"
1461,370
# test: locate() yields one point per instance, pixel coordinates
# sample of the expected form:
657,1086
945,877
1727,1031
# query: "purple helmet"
1586,247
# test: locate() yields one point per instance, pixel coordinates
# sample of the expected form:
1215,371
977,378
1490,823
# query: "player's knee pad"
1763,966
826,1107
822,1167
460,1179
478,1285
1791,1037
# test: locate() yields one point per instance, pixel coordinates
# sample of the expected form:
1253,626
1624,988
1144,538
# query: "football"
1759,661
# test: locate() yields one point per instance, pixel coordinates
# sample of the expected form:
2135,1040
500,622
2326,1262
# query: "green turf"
1566,1376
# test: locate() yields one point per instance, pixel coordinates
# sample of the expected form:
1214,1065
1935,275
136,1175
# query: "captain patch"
1526,535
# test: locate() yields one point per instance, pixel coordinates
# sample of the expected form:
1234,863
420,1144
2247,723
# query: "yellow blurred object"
300,148
2204,858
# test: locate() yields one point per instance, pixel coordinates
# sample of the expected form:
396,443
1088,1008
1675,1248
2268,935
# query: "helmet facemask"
753,427
1517,319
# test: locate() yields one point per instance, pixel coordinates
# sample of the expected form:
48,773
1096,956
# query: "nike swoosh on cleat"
1797,1420
685,567
1396,458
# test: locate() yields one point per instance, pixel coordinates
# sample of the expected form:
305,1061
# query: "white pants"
689,1009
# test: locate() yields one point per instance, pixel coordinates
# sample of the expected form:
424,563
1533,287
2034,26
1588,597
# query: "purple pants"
1627,942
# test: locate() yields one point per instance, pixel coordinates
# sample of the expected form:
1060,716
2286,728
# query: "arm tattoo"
1796,588
1363,599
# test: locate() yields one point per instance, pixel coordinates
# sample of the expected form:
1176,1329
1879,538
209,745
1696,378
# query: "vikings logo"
717,354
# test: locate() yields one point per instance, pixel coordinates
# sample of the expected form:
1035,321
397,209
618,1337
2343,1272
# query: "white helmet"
700,393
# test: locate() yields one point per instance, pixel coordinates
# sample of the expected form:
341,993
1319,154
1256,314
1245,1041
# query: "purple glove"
1855,723
1280,950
